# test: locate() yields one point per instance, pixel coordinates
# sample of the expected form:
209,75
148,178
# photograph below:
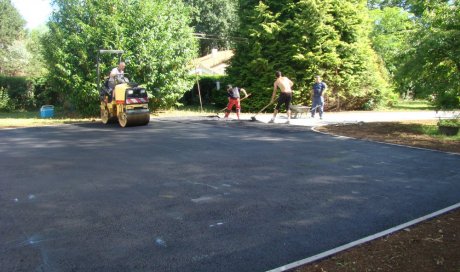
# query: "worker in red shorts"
233,94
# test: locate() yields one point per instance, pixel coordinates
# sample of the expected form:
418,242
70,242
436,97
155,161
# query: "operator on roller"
116,75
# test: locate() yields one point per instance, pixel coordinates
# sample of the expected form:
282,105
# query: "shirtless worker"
285,97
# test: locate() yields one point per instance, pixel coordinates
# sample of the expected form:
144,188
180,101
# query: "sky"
35,12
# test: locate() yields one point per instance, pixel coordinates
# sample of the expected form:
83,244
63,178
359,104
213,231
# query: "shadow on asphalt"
202,194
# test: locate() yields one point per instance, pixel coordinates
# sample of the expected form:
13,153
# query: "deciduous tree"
416,7
11,29
393,26
154,34
431,66
217,19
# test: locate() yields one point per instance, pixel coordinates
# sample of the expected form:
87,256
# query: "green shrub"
20,91
5,104
451,122
44,94
448,100
210,95
26,93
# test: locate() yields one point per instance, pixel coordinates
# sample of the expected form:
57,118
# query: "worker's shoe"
271,121
288,122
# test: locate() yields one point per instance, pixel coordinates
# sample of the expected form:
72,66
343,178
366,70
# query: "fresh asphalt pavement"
203,195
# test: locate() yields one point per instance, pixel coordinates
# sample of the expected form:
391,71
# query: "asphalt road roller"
127,103
121,100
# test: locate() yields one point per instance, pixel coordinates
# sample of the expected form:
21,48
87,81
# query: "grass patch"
413,105
33,119
430,130
19,115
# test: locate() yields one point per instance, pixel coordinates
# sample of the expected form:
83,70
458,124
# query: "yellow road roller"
121,100
127,103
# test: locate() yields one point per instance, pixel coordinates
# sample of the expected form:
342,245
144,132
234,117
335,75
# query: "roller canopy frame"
105,51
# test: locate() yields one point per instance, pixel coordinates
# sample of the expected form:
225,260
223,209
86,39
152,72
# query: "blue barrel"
47,111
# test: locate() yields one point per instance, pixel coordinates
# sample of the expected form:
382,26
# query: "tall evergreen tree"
308,37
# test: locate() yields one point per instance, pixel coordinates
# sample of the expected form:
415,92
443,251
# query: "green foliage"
450,122
19,93
217,18
454,122
155,36
36,63
431,67
5,104
11,23
208,89
390,35
416,7
305,38
25,93
219,98
44,94
23,56
11,29
420,50
16,58
413,105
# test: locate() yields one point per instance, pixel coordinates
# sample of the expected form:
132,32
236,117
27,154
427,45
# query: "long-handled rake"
314,109
253,118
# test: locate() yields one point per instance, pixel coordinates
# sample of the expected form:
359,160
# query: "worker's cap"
229,86
317,76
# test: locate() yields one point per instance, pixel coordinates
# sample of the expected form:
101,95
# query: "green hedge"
213,97
24,93
210,95
20,92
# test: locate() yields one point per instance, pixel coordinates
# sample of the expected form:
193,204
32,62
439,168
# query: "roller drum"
134,118
106,118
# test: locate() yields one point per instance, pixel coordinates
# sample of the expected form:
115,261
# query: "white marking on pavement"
204,184
204,199
160,242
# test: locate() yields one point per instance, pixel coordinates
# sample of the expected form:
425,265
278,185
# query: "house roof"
212,64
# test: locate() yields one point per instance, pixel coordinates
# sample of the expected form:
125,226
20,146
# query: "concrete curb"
363,240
